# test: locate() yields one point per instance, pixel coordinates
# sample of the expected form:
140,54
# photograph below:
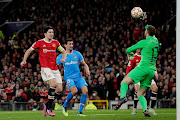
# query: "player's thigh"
71,85
80,83
127,80
141,91
154,86
137,74
146,82
57,75
52,82
47,74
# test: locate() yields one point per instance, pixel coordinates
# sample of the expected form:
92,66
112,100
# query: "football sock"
69,97
143,102
153,98
123,89
58,96
51,96
83,102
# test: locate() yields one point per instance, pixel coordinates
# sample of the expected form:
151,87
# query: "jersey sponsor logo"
75,56
129,64
44,45
54,45
45,50
70,63
68,82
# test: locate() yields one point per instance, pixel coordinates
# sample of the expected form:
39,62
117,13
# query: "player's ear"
65,45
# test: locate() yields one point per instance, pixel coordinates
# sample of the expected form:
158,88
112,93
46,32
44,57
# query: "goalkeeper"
145,71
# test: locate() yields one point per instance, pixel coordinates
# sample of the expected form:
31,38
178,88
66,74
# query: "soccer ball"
136,12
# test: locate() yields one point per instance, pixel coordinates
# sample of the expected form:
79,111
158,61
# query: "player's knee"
85,91
52,83
155,89
74,91
139,94
58,89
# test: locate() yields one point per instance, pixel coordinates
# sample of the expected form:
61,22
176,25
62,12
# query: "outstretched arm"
26,55
141,44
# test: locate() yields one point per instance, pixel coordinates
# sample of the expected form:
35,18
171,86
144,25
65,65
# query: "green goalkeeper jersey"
149,51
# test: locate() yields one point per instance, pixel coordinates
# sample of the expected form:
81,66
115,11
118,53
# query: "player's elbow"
29,50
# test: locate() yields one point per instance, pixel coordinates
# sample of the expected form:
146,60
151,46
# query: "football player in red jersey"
133,62
49,70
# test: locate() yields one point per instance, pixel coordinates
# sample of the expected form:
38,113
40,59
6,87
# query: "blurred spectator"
33,105
31,91
165,92
39,85
36,95
173,94
4,99
44,94
19,98
9,91
23,95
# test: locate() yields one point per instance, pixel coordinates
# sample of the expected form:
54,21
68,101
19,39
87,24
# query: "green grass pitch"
163,114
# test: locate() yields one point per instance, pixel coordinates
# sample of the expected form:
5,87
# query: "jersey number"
154,54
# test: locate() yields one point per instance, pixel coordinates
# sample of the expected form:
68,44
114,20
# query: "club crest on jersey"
53,45
75,56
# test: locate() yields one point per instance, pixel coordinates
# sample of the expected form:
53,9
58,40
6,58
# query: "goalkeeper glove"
130,56
144,16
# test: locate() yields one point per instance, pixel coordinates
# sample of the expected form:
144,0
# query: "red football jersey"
137,32
47,53
133,63
9,90
44,94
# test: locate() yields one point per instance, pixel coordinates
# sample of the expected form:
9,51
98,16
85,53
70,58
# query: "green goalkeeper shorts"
142,75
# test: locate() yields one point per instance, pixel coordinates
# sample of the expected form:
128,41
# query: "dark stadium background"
101,30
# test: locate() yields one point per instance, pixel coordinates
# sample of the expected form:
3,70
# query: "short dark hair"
47,28
151,30
67,40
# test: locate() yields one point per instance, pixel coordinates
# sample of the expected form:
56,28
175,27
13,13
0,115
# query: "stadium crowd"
101,30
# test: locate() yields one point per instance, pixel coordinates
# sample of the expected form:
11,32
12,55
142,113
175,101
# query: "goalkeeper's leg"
143,101
124,87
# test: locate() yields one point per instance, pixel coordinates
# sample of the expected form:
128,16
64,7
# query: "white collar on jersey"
47,41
